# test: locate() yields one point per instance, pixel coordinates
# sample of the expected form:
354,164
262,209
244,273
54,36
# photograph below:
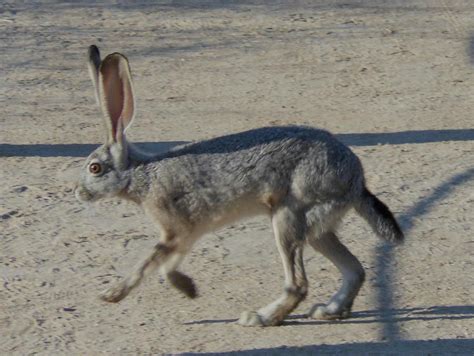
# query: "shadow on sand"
384,254
73,149
449,312
351,139
459,346
405,347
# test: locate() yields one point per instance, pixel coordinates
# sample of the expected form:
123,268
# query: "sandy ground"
393,79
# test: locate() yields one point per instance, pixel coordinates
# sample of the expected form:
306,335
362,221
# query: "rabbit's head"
105,172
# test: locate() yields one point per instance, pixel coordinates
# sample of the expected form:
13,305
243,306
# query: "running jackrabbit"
303,178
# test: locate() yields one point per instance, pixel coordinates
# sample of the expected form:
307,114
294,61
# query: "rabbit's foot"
183,283
324,312
115,293
251,318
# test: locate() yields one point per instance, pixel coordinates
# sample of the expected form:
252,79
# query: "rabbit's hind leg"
289,233
340,304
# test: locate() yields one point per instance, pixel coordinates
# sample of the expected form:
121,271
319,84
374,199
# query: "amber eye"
95,168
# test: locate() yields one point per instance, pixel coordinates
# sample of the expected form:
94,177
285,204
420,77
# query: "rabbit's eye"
95,168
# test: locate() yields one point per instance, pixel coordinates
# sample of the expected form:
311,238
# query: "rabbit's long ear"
93,61
116,95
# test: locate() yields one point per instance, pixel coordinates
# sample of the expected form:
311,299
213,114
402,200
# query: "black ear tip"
93,54
93,51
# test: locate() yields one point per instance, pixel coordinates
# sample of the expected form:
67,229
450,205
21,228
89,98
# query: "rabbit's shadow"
439,312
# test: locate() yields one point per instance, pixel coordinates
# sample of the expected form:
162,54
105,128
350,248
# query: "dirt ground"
393,79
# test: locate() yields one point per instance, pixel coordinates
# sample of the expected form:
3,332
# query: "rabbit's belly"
239,210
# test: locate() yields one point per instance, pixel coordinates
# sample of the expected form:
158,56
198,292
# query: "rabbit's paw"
251,318
322,312
115,293
183,283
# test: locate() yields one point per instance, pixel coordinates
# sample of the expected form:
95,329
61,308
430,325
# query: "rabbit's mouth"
83,195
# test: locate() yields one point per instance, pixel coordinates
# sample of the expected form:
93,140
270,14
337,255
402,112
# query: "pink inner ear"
114,95
117,94
128,101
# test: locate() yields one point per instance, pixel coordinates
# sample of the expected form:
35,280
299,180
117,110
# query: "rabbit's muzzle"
82,194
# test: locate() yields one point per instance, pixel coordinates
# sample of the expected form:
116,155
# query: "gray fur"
302,177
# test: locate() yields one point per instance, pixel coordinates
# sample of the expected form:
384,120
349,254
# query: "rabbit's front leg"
177,279
160,254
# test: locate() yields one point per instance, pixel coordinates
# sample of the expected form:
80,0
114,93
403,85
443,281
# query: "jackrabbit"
303,178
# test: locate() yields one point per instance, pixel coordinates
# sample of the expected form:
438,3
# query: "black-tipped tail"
379,217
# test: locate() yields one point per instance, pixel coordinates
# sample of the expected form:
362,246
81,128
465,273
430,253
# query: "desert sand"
393,79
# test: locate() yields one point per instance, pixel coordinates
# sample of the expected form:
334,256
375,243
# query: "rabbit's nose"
77,193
